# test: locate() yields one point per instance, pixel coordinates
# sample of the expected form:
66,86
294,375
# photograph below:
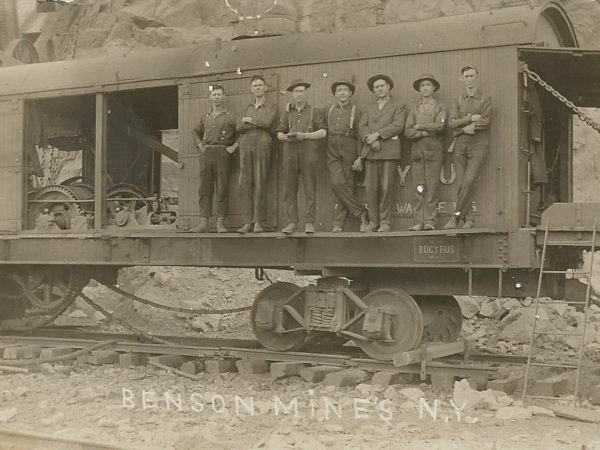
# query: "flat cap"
337,83
297,82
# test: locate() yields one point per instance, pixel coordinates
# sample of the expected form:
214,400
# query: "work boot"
364,220
309,228
221,225
468,224
429,227
291,227
337,229
246,228
201,227
452,223
258,228
416,227
369,228
384,227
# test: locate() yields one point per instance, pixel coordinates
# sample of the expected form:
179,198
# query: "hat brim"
295,85
371,81
342,83
417,83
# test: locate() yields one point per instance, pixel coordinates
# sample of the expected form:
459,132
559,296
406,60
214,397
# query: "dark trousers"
300,160
341,153
379,182
427,157
470,152
255,155
215,166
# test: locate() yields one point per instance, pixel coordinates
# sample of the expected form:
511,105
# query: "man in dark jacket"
379,128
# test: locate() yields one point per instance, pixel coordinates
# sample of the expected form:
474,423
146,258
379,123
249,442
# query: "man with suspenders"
300,127
343,147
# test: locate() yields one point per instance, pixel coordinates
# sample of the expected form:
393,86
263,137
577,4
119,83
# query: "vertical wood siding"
11,165
497,198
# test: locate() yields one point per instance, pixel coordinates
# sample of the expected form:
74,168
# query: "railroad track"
211,348
11,439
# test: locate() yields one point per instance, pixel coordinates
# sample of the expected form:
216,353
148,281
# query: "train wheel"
274,327
442,318
50,288
406,324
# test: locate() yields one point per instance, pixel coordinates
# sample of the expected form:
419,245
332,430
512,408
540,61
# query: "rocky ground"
106,403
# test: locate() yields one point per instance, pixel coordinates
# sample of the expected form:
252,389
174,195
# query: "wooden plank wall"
497,199
11,165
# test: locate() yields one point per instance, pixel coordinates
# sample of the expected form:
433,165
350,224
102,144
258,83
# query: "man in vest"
255,127
424,127
379,128
300,127
343,146
216,141
470,118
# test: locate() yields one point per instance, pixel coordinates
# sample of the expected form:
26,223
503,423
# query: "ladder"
532,362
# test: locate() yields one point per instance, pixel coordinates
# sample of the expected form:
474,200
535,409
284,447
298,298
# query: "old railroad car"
135,194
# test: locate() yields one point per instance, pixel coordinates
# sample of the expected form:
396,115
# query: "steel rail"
30,441
268,355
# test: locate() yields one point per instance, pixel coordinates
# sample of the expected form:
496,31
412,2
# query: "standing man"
424,128
343,146
379,128
300,127
470,119
215,139
255,127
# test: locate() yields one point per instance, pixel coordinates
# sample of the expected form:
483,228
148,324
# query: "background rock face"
92,27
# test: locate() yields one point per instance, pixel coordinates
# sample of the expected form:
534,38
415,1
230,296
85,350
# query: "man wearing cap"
469,119
424,127
216,141
255,127
300,127
343,146
379,127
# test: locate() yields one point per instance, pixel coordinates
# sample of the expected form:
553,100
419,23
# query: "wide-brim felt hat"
426,76
374,78
337,83
297,82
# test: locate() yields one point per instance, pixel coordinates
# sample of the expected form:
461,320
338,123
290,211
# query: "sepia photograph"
299,224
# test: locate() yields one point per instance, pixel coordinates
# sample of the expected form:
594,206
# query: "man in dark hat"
470,118
300,127
424,127
379,127
216,141
255,127
343,146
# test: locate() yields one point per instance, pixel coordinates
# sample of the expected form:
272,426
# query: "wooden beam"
100,161
153,144
432,351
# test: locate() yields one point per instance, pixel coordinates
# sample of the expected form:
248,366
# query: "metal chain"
568,103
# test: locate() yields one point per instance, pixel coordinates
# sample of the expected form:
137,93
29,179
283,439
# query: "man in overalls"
255,127
424,127
343,147
300,127
216,141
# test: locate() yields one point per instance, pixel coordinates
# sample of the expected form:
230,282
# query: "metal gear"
49,288
62,206
124,191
